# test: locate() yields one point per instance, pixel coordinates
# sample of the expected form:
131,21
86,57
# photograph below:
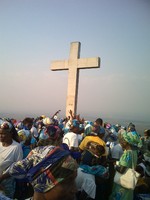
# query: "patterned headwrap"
75,123
24,134
131,127
53,132
88,129
132,138
4,124
45,167
47,121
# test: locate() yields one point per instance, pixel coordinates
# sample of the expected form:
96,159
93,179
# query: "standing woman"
10,152
129,142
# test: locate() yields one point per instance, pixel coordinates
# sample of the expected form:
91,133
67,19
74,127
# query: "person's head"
147,133
98,122
129,140
19,125
24,136
55,135
131,127
124,144
97,149
40,125
47,121
92,154
7,131
87,129
75,126
27,123
97,130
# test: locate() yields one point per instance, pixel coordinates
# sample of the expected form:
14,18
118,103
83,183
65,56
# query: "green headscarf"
132,138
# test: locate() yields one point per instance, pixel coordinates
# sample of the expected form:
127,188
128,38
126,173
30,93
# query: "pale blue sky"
35,32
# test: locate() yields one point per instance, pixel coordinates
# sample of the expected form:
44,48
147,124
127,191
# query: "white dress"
9,155
86,182
71,139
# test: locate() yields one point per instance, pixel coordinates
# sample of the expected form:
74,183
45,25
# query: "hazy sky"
33,33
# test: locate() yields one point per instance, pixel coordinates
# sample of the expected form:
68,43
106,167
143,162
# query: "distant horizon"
86,116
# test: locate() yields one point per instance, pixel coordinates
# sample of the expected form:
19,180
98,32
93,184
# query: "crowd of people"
52,158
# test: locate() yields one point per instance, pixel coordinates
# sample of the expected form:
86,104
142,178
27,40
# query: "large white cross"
73,65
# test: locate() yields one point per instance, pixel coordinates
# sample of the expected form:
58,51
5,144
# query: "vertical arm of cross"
73,78
72,94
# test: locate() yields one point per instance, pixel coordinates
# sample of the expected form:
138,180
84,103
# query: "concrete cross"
73,65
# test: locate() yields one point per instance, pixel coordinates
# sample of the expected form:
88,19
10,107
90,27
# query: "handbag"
128,179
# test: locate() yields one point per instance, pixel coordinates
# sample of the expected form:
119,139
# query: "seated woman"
90,171
92,154
94,137
51,171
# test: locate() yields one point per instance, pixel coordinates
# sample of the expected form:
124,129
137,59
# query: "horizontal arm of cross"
59,65
85,63
81,63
